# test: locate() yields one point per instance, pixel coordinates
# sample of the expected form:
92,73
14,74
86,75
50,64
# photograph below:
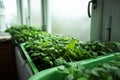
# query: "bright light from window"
69,8
10,11
70,18
10,7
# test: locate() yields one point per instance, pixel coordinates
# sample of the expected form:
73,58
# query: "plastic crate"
54,74
24,71
83,62
32,65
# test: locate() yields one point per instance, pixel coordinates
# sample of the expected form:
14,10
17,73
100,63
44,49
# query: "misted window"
10,13
69,18
25,11
36,14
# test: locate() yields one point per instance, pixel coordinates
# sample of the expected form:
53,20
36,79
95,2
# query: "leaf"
69,77
94,54
73,54
103,53
106,65
60,61
95,73
70,45
115,73
82,78
100,44
35,54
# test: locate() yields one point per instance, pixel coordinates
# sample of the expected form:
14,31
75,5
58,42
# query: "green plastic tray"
53,74
32,65
91,61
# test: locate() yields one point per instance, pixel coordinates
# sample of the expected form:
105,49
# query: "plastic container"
91,61
53,74
24,71
32,65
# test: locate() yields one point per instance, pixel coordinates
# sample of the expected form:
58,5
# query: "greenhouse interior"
59,39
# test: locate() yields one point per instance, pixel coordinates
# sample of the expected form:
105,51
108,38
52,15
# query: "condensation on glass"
36,14
25,11
69,18
10,13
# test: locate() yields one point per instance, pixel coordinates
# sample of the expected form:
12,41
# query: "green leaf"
60,61
82,78
69,77
70,45
95,73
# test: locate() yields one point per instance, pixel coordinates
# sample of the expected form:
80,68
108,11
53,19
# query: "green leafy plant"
25,33
55,50
101,48
105,71
48,50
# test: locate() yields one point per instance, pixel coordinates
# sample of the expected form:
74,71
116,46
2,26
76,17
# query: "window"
69,18
29,12
25,12
36,14
10,13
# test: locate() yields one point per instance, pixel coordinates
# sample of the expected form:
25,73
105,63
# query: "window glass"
25,11
36,13
10,13
69,18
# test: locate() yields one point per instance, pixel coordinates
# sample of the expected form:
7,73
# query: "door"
96,22
106,21
115,28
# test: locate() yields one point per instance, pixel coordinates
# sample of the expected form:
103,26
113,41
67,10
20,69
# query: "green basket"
32,65
54,74
91,61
